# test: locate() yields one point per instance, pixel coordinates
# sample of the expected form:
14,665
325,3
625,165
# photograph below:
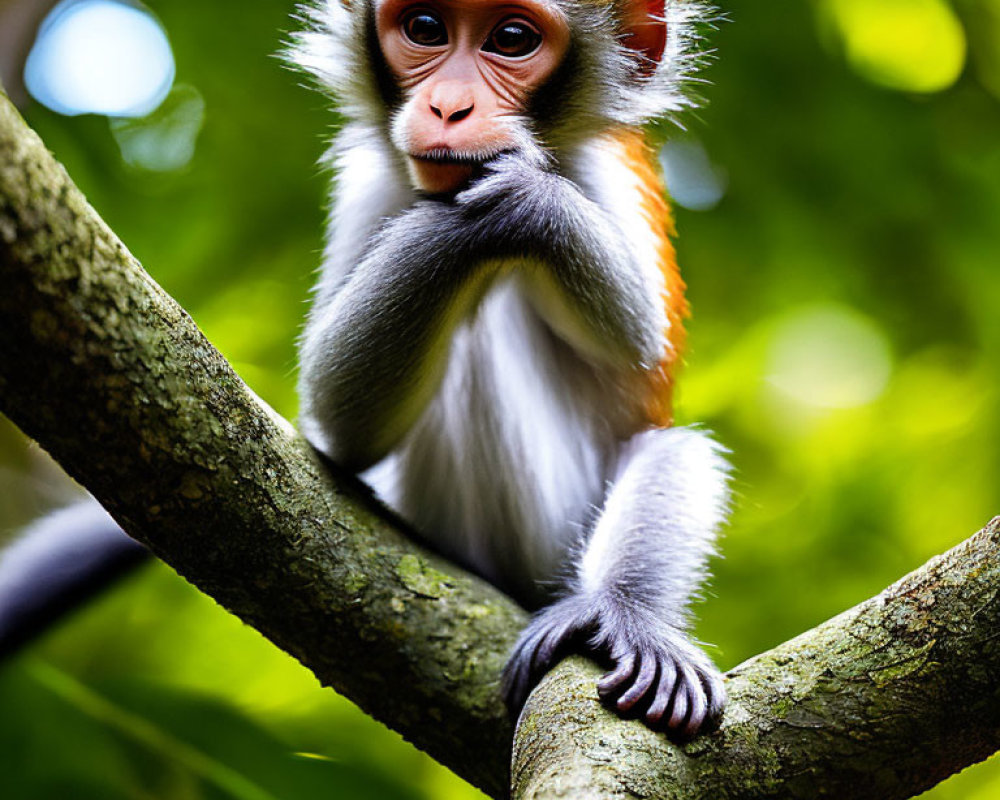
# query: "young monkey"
494,335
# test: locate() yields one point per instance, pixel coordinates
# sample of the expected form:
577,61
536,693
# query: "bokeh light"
165,140
829,357
911,45
100,57
983,27
693,181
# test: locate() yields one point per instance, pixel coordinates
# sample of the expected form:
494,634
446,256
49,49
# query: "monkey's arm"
374,352
589,285
372,355
628,601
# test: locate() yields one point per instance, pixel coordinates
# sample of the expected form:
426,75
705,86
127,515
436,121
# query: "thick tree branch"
101,367
111,376
881,702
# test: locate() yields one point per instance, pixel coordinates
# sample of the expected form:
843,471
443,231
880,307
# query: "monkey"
493,340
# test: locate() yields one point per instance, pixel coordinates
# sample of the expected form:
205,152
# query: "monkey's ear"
645,31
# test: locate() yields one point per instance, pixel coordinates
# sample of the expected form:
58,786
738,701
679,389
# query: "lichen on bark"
101,367
116,381
882,701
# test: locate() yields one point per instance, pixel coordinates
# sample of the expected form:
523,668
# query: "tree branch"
114,379
882,702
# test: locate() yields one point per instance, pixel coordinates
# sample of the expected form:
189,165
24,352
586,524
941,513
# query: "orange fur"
659,382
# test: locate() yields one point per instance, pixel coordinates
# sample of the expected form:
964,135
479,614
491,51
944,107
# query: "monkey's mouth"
447,155
443,171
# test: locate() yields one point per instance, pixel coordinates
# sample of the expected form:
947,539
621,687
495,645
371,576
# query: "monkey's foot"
658,675
665,680
553,633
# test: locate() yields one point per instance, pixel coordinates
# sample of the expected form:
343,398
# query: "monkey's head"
450,84
466,70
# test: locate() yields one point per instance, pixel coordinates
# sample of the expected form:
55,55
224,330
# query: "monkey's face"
466,69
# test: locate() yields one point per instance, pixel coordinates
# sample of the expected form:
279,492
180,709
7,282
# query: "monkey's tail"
57,564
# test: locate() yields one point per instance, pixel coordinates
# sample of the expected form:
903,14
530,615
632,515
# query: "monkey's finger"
548,648
516,685
679,712
715,691
697,701
531,659
621,673
517,678
664,693
643,681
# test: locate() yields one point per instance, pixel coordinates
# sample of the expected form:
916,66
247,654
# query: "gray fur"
391,322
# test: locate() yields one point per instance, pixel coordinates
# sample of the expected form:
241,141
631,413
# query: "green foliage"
844,346
142,740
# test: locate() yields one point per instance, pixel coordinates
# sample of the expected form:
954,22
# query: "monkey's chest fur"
507,467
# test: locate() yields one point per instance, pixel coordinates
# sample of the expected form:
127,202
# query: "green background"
845,346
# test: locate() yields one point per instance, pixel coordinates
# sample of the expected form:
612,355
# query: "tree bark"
115,380
881,702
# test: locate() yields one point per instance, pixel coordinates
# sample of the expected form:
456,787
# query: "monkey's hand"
657,674
508,181
585,277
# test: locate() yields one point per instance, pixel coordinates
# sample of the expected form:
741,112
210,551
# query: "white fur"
658,525
333,50
505,466
665,92
597,167
368,190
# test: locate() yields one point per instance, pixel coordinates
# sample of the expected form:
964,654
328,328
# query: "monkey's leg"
628,603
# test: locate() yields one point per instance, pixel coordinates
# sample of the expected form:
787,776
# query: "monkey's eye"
425,28
513,38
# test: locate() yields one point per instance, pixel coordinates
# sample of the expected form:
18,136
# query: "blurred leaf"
165,140
147,740
913,45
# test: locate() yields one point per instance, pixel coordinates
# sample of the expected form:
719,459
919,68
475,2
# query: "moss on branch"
116,381
883,701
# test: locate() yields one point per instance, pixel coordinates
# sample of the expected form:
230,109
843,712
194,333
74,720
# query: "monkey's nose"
452,116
